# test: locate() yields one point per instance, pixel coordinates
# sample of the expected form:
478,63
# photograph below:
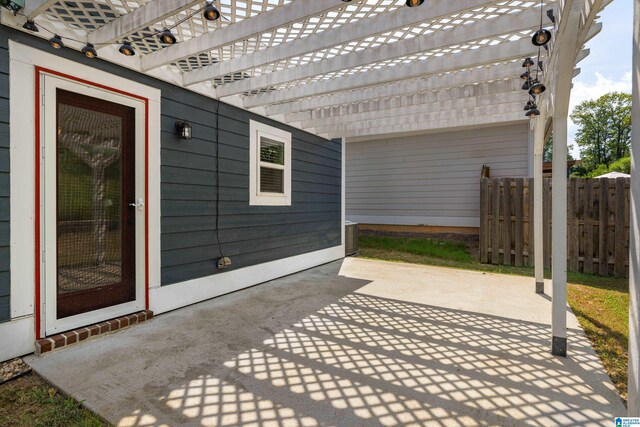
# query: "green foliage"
604,129
547,154
622,165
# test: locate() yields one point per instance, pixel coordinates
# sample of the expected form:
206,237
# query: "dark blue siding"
249,235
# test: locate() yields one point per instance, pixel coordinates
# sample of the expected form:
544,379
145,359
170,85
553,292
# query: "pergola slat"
139,19
468,59
33,8
402,17
456,36
245,29
495,73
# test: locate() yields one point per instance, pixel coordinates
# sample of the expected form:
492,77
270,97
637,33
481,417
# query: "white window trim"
258,130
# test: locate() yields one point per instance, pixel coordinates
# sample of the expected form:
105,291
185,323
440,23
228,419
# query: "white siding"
431,179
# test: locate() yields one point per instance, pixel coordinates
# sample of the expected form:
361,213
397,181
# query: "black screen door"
95,185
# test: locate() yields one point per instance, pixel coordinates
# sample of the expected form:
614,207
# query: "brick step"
68,338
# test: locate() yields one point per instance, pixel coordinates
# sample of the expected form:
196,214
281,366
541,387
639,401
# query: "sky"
608,66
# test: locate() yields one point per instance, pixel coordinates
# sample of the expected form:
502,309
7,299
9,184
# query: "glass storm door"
95,224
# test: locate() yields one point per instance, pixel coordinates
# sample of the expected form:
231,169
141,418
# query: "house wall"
250,235
430,179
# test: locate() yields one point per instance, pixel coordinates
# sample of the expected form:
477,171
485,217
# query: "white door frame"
48,181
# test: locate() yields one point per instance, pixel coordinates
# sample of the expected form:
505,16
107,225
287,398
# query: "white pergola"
364,68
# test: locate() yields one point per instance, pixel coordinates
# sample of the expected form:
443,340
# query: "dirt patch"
471,241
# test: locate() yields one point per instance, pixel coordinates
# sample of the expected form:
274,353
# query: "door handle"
138,205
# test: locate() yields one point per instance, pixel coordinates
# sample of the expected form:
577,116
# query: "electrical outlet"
224,263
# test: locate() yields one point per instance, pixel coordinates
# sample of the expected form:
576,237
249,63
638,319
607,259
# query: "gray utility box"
350,238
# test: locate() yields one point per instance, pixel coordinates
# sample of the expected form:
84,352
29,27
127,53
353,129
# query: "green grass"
31,402
600,303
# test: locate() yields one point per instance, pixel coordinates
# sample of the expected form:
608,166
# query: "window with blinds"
270,172
272,162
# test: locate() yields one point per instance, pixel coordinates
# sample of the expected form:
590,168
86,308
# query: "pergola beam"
456,36
423,126
361,29
33,8
275,18
493,73
397,119
139,19
454,100
465,60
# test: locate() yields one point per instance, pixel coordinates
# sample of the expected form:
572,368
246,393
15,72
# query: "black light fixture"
31,26
525,76
537,88
528,63
210,12
167,37
551,16
184,130
56,42
533,112
541,37
89,51
527,84
529,105
126,49
414,3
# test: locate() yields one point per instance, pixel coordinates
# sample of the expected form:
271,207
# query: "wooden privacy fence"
597,224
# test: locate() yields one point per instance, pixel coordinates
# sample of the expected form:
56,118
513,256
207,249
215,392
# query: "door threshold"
75,336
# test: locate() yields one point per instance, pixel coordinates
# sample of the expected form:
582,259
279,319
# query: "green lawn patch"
600,303
29,401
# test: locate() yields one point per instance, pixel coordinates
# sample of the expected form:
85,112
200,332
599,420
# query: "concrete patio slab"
351,343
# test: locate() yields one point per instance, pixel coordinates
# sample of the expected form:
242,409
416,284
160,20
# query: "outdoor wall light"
541,37
528,63
184,130
167,37
31,26
210,12
89,51
537,88
126,49
56,42
414,3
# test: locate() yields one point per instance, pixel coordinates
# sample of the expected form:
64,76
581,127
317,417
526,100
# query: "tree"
604,129
547,154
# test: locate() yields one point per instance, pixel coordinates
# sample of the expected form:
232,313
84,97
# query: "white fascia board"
391,109
277,17
33,8
497,73
361,29
447,63
440,119
139,19
507,24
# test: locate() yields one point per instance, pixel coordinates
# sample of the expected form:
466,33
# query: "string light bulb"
56,42
537,88
211,13
414,3
167,37
126,49
31,26
89,51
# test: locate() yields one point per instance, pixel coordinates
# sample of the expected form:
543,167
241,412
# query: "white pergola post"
633,403
559,235
538,244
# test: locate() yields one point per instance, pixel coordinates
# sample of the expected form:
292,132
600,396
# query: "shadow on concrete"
316,349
